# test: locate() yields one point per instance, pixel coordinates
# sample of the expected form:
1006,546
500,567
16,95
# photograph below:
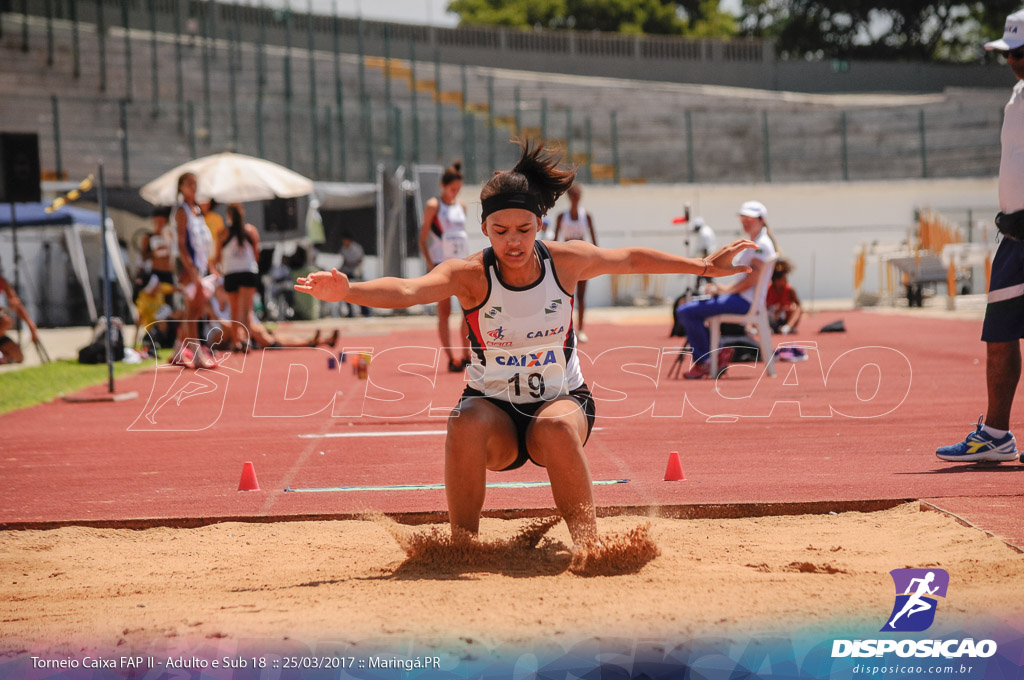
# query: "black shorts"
163,276
232,282
1004,315
524,414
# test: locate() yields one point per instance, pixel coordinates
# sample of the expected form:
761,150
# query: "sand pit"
73,589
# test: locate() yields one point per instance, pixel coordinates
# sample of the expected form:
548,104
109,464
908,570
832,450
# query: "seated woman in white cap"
734,298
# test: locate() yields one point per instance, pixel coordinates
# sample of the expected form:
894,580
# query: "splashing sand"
437,551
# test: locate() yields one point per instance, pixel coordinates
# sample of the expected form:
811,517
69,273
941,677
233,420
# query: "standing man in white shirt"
1003,327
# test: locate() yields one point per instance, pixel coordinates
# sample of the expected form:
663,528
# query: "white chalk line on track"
396,433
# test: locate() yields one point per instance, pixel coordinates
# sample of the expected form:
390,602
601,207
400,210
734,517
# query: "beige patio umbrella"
229,178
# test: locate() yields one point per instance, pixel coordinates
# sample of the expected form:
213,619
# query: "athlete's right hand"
329,286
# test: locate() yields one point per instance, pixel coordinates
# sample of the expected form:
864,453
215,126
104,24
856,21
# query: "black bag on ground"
96,351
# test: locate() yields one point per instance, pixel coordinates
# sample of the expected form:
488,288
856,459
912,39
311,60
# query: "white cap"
697,223
1013,34
754,209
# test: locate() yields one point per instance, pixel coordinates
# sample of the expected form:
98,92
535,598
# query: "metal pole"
310,55
49,33
288,133
329,123
691,166
287,53
568,133
341,144
191,129
154,58
24,25
767,147
465,88
371,166
399,150
261,150
213,29
415,109
314,123
590,149
123,110
179,75
469,144
101,35
261,55
17,264
75,50
387,78
491,153
438,105
56,135
205,56
234,59
843,148
517,112
106,280
924,144
544,118
615,147
128,90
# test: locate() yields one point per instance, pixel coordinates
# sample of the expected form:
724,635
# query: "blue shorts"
1004,314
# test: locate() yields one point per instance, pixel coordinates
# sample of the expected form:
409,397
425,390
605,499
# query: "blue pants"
693,314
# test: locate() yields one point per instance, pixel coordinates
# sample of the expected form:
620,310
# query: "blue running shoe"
981,447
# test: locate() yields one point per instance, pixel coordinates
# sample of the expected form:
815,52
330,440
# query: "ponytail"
536,174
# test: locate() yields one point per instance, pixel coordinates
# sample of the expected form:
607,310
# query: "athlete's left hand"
720,261
329,286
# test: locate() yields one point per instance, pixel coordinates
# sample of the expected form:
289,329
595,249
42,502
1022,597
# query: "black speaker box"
19,168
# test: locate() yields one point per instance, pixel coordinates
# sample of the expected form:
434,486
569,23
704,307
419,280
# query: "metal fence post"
415,103
329,129
288,54
469,144
128,89
288,133
388,108
180,77
261,54
205,57
924,143
491,152
75,48
339,98
260,146
465,88
24,25
311,56
568,133
589,140
399,147
55,107
517,111
123,110
371,165
314,123
101,36
212,10
615,147
192,129
234,57
154,59
767,147
843,148
439,106
49,33
691,167
544,118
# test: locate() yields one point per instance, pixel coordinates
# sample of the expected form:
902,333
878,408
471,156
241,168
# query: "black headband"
520,201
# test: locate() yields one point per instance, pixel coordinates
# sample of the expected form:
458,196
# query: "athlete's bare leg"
481,437
555,440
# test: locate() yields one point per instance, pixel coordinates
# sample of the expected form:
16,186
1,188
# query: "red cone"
248,481
674,471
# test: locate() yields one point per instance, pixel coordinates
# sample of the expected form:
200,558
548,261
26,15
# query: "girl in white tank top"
526,399
578,228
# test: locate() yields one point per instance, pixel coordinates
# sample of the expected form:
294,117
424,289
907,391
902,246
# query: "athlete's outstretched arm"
597,261
388,292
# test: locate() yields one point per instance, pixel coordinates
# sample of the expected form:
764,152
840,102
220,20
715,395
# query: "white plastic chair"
757,315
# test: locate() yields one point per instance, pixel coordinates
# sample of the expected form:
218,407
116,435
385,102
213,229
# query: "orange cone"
248,481
674,471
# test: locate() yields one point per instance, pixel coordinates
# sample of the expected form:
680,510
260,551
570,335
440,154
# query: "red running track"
858,422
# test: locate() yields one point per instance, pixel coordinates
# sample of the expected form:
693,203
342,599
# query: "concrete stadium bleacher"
664,132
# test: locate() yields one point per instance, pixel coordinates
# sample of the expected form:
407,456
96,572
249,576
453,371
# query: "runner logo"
498,333
916,592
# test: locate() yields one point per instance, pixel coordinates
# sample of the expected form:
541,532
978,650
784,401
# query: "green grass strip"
27,387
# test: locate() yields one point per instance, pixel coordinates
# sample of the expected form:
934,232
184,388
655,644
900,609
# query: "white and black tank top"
523,342
449,240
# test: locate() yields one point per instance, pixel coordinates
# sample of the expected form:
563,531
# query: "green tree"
947,30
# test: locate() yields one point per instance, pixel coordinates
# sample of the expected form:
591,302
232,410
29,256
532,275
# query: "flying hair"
537,173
